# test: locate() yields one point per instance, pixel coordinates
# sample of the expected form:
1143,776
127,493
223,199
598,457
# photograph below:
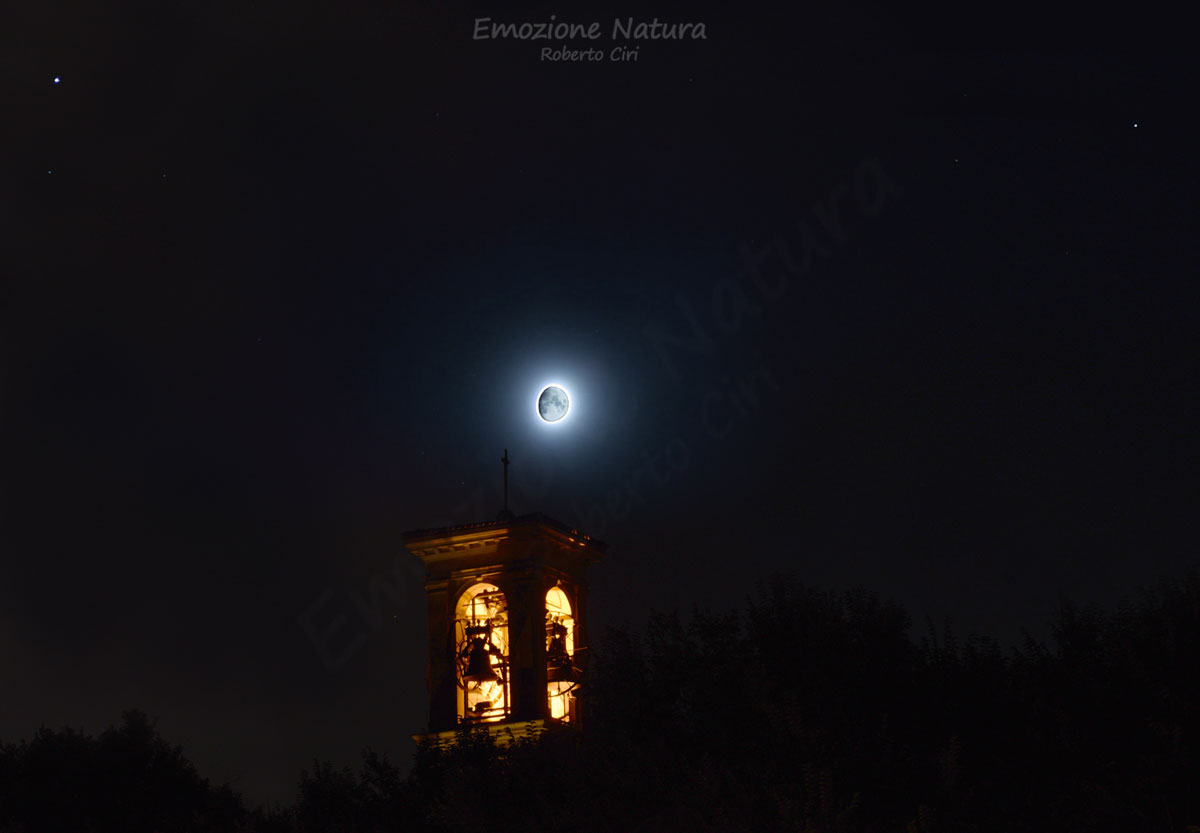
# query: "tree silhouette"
129,779
806,710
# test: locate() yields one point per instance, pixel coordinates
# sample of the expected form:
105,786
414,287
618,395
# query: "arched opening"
481,652
562,677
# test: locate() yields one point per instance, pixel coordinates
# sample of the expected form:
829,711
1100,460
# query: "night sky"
871,295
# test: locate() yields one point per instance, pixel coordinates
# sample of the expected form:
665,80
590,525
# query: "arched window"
481,650
561,674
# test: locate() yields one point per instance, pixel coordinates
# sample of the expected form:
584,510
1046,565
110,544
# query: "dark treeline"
807,710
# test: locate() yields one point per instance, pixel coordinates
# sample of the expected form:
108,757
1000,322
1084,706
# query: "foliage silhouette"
807,710
129,779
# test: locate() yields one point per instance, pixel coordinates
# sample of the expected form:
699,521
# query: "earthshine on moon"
553,403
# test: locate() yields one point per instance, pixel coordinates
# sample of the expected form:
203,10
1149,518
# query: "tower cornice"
452,542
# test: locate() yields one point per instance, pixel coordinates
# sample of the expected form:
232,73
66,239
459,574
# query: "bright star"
57,79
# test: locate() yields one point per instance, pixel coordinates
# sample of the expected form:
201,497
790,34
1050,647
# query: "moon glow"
553,403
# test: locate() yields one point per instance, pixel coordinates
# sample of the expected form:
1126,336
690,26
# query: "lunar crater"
553,404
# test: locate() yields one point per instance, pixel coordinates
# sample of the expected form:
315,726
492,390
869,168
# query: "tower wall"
524,557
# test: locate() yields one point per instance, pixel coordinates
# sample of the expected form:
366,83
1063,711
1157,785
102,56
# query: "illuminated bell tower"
507,611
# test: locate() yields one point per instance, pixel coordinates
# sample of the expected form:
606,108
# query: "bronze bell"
560,673
558,661
479,664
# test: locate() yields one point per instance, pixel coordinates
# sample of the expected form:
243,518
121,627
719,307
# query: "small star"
955,160
49,172
1135,124
57,80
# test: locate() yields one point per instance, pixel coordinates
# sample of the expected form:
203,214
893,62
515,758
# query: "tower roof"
422,542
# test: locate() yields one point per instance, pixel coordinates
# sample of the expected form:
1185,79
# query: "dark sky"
896,298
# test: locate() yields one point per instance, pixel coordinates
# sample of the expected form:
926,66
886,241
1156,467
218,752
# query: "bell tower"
507,621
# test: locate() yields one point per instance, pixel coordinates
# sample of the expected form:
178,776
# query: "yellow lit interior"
558,610
483,605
